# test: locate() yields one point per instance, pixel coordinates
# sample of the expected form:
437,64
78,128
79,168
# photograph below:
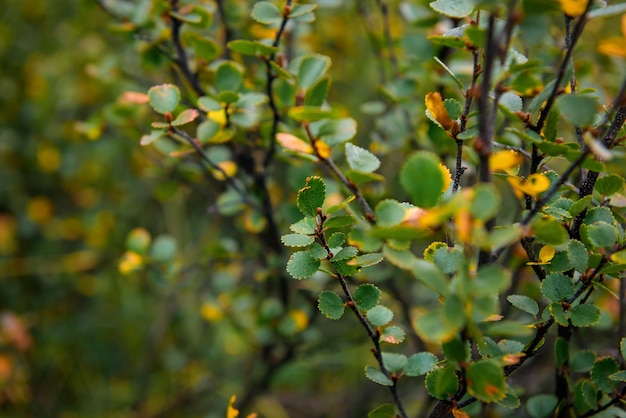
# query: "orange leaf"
293,143
504,160
322,149
434,105
613,46
447,177
457,413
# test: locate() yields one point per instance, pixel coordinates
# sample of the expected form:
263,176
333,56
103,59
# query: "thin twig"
374,335
181,54
369,213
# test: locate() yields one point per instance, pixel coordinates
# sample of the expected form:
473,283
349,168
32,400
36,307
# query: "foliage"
191,200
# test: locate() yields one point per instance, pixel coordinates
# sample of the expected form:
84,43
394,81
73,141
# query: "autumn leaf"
532,186
322,150
218,116
615,45
546,254
574,8
503,161
232,412
438,112
293,143
447,177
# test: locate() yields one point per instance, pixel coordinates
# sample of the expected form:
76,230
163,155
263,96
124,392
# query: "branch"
384,10
351,303
228,33
369,213
181,55
269,89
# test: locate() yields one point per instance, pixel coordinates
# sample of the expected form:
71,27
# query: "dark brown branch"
181,59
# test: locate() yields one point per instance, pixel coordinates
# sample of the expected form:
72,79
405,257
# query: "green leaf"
551,128
612,10
449,260
600,372
311,68
392,335
312,196
456,350
330,304
228,97
609,184
485,202
336,239
420,364
619,376
453,8
228,77
387,410
185,117
422,178
511,101
541,406
367,260
510,401
163,249
599,234
304,226
580,205
394,362
434,327
448,41
377,376
302,265
301,9
255,48
318,252
151,137
622,347
389,213
266,12
334,132
453,107
379,315
561,351
431,276
579,109
584,315
360,159
339,221
582,361
549,231
524,303
560,316
347,253
311,114
164,98
186,17
203,47
485,381
345,267
585,396
557,287
577,253
316,94
442,382
297,240
490,280
366,296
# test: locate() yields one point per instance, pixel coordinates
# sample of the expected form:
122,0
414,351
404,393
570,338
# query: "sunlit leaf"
574,8
532,186
503,161
437,111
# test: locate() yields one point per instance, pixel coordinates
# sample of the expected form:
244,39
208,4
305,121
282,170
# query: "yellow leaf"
545,255
323,150
574,8
300,318
613,46
39,209
532,186
211,312
434,105
131,261
229,169
293,143
504,160
218,116
447,177
232,412
253,221
463,223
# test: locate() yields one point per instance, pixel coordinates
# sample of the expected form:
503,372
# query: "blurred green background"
189,317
